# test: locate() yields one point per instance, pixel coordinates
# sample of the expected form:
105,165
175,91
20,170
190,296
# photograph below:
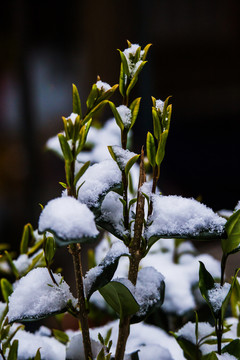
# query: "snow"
129,54
159,105
72,117
188,331
75,349
99,179
147,292
103,86
122,156
112,211
125,114
175,215
23,262
217,295
35,295
117,250
144,337
28,344
226,356
237,206
68,219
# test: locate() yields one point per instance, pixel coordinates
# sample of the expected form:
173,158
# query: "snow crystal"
125,114
103,86
28,344
98,179
159,105
122,156
175,215
68,219
188,331
217,295
35,295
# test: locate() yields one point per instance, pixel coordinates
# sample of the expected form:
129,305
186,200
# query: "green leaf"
157,129
233,348
130,163
211,356
27,236
135,78
206,283
151,149
232,228
13,351
134,107
38,355
107,94
161,147
92,97
116,115
11,264
120,299
106,271
67,153
77,108
81,172
94,110
6,288
124,64
101,355
146,49
167,110
60,336
49,249
190,350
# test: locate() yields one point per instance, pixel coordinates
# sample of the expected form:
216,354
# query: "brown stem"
75,250
2,354
124,330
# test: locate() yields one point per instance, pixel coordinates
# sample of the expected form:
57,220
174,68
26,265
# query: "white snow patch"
125,114
159,105
129,54
36,295
177,215
72,117
68,219
103,86
217,295
112,211
99,178
188,331
28,344
75,349
122,156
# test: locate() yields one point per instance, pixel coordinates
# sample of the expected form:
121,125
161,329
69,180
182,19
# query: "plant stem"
135,258
75,250
2,354
125,184
219,333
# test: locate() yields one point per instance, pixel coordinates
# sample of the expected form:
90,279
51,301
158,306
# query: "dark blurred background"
48,45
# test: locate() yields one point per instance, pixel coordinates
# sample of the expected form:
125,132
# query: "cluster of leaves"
136,219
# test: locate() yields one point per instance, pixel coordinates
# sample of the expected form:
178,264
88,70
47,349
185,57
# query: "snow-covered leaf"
149,292
35,296
98,180
184,218
102,274
69,221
